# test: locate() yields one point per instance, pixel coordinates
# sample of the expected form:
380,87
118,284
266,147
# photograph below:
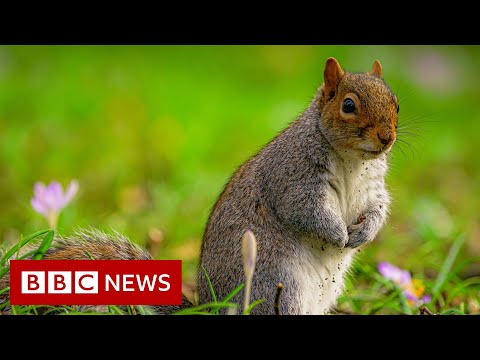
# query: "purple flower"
50,200
426,299
397,275
412,288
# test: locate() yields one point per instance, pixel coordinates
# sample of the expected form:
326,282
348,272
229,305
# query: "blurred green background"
152,133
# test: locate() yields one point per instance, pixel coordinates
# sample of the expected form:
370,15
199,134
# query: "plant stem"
276,303
248,288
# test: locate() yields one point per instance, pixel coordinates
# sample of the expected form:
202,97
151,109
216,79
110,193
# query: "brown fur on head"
359,110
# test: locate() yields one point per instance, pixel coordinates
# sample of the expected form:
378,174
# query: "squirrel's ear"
332,75
376,69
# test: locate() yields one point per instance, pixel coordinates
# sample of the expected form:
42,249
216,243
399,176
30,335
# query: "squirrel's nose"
385,138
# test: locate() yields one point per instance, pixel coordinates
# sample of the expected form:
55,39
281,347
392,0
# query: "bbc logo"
59,282
99,282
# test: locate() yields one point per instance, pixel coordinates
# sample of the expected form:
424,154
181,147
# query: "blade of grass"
452,312
203,307
115,309
228,297
454,273
473,281
53,309
147,310
403,301
7,268
20,244
4,305
4,290
197,313
84,313
252,305
447,266
397,309
141,310
233,293
27,254
396,293
89,255
4,271
42,249
210,285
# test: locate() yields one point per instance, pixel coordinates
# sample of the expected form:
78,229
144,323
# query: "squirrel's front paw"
357,235
338,237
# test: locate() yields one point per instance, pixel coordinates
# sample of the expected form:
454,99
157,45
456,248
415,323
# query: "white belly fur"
355,185
320,275
321,268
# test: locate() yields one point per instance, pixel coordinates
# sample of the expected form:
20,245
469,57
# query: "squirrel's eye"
398,108
348,106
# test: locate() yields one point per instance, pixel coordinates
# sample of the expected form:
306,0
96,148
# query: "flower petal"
55,189
384,269
39,206
397,275
249,253
405,277
426,299
38,189
409,295
389,271
54,197
71,191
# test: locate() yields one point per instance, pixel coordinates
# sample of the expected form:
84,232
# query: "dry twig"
276,304
424,310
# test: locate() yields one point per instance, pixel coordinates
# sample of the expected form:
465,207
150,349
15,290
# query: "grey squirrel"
312,197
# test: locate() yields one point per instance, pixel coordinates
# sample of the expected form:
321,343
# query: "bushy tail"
96,245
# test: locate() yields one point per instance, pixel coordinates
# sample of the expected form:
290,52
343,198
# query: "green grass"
153,133
37,254
369,294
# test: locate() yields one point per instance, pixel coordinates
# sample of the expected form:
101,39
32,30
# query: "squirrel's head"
359,111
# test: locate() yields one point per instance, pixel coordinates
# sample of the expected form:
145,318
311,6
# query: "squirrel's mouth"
375,153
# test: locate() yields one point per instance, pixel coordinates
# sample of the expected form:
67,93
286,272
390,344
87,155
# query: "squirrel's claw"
357,235
338,238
